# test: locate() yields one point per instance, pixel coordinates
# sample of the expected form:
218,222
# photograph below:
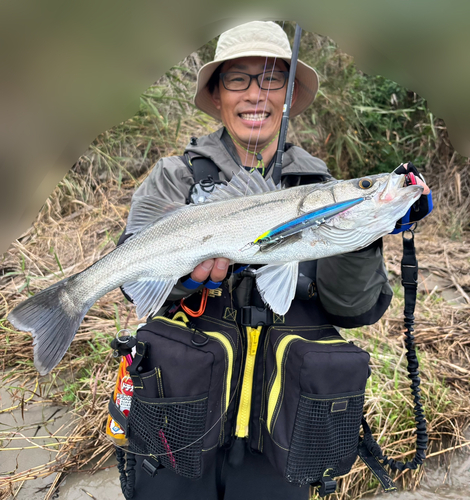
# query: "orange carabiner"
202,308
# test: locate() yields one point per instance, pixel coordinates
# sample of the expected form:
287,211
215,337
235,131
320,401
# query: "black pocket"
169,419
313,404
325,437
171,429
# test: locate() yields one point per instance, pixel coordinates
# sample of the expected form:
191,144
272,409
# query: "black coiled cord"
409,272
126,470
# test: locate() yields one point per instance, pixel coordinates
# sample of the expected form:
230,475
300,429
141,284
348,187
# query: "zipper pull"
254,341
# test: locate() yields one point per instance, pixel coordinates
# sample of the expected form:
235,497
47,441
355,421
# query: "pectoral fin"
276,284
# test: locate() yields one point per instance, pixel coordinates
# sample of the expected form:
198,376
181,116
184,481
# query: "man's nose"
254,93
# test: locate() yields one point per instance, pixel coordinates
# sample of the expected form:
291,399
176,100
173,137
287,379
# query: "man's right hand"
215,268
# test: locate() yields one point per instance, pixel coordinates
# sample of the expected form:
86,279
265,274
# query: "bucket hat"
258,39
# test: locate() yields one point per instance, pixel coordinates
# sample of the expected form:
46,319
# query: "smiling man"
250,101
245,88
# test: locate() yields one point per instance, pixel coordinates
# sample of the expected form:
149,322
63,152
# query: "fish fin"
242,184
276,284
146,210
148,294
48,318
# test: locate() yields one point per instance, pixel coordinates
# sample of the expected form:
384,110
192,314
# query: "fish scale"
170,240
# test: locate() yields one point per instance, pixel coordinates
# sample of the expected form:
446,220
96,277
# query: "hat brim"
307,84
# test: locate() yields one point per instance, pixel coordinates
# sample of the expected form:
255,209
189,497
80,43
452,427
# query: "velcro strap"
212,285
191,284
117,415
376,468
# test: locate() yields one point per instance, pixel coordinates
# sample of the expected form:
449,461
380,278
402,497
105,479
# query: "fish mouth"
396,186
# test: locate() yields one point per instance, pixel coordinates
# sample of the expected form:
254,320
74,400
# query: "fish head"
382,200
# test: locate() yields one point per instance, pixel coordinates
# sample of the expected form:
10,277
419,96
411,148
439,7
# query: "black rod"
287,105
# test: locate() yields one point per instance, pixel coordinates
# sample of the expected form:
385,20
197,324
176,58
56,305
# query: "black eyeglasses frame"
222,75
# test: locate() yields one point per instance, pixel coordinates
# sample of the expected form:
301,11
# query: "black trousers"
253,479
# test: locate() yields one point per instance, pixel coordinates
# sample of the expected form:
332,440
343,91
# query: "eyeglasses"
270,80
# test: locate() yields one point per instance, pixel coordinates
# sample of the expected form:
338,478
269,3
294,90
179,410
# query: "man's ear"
215,97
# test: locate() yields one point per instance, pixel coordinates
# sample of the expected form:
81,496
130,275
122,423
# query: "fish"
249,221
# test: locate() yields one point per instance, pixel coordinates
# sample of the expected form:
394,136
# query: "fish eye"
365,183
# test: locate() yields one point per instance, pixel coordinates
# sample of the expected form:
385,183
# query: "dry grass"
444,349
58,245
53,247
82,221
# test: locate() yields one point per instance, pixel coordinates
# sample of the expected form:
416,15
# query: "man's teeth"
256,117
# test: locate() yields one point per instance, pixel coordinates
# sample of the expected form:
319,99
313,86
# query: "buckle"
326,485
255,316
150,469
409,275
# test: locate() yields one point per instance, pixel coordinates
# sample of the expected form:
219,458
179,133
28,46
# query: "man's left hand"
423,205
419,181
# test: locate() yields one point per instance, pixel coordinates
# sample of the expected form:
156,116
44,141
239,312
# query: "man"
245,88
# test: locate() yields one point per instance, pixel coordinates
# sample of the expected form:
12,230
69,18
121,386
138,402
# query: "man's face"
253,115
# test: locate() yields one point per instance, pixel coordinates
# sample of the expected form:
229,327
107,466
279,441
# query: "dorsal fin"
242,184
146,210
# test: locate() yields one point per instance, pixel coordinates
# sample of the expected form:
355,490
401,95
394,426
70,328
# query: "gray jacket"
353,288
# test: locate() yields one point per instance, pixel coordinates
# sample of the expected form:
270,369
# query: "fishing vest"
239,375
292,389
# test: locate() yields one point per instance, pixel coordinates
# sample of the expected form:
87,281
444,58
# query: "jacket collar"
296,161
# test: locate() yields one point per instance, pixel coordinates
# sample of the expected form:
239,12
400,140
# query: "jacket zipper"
275,391
244,406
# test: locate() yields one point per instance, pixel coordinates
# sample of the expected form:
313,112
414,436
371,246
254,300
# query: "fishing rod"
287,105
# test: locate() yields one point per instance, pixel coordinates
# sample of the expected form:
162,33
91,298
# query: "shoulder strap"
201,167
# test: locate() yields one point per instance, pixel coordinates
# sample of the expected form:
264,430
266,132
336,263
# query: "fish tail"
53,318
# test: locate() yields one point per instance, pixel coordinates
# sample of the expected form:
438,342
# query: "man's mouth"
254,117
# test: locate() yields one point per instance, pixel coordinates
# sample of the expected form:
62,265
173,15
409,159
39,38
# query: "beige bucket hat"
257,38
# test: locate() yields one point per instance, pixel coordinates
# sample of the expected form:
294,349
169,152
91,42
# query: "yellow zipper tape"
275,392
244,408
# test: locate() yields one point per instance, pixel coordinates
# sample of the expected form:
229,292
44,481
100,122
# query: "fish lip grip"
410,179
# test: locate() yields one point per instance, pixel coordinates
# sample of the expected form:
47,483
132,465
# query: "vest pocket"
325,436
314,398
182,387
171,429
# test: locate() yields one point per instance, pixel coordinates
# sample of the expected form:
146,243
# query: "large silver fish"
248,221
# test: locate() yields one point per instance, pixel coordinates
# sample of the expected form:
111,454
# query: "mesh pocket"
171,430
326,434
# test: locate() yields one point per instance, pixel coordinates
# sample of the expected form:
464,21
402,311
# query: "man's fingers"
421,183
219,271
215,268
201,271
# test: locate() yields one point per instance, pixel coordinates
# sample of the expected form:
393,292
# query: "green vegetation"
359,125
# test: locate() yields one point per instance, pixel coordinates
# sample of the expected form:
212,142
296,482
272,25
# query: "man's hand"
216,268
422,207
419,181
